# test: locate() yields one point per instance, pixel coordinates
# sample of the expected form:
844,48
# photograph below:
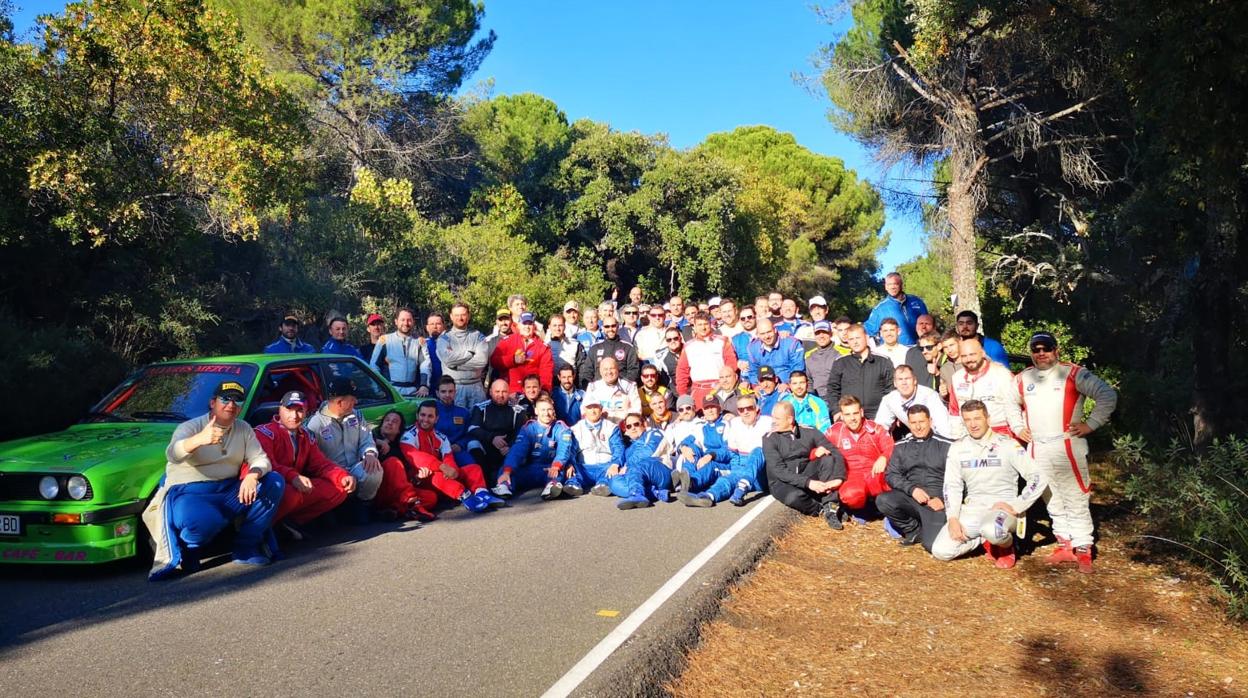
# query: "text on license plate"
10,525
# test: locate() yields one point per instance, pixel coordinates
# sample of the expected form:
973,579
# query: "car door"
373,395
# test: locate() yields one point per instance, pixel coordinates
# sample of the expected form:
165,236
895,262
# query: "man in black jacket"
916,474
803,468
866,376
492,429
615,347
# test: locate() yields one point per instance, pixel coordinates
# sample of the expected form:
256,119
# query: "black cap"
294,397
230,389
1045,339
711,400
291,320
765,372
340,387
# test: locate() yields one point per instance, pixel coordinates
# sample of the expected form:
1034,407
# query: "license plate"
10,525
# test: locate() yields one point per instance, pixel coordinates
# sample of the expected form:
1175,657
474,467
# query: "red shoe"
1083,555
1062,554
1002,556
419,513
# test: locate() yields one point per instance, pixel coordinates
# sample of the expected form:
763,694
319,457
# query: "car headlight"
49,487
77,487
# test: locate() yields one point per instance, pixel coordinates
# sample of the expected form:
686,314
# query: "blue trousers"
530,477
646,476
749,467
593,474
203,509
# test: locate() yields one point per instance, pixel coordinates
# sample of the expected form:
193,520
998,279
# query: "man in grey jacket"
464,356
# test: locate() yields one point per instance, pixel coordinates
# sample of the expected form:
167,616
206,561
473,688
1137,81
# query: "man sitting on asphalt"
646,479
741,456
893,411
314,483
543,456
804,470
981,495
916,476
460,481
202,494
695,454
809,410
493,425
288,341
600,450
866,447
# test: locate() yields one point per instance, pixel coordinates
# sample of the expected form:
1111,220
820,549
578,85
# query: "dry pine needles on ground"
850,612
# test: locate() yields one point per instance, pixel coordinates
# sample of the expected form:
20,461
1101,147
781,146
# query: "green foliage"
928,278
1016,335
521,139
1197,502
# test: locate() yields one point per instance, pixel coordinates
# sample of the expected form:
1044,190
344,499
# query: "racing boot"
490,500
681,481
503,490
1083,555
473,502
601,489
572,487
552,491
1002,556
1062,554
738,494
890,530
831,514
701,499
636,499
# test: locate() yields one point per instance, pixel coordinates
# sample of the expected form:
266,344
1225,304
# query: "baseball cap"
375,317
230,389
290,320
714,302
526,318
1045,339
684,401
340,387
502,313
293,398
571,305
591,399
818,300
711,400
823,326
766,373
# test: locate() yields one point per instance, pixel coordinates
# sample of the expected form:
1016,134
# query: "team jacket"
568,404
333,346
617,400
784,358
402,357
788,455
767,401
345,441
464,355
701,360
642,448
982,472
453,422
1053,399
295,454
819,366
791,326
862,447
868,379
994,385
906,312
918,463
489,420
281,346
618,349
598,444
431,442
537,361
540,446
809,411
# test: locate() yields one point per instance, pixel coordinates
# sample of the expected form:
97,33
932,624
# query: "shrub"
1196,501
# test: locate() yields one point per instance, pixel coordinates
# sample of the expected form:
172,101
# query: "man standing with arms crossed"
1052,393
464,356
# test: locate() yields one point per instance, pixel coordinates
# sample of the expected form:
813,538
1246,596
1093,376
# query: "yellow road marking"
608,613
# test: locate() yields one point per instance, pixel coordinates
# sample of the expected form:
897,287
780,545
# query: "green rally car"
75,496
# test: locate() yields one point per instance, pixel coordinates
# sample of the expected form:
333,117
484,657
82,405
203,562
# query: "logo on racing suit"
620,354
976,463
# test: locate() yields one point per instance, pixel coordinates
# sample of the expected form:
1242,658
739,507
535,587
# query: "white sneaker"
502,489
552,491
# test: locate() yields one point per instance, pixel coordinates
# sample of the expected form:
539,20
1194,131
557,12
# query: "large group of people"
697,403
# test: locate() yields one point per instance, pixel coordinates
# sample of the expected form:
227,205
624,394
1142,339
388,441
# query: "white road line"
577,674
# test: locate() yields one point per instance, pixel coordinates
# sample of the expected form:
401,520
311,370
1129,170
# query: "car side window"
368,389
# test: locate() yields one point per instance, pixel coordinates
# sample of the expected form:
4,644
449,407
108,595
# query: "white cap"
714,302
571,305
817,300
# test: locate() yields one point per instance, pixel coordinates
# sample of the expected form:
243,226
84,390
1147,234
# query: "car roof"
259,359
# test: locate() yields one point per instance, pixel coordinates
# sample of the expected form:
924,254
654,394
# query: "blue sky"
686,69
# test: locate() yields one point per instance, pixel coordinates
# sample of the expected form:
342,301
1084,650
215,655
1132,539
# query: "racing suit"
537,361
785,357
599,446
346,441
916,463
709,440
402,356
469,478
453,423
567,404
488,421
861,449
791,467
464,357
742,456
993,385
618,349
809,411
645,475
293,454
1051,401
978,474
538,450
697,369
617,400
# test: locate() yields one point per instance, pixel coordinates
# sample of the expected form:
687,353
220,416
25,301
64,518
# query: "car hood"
85,445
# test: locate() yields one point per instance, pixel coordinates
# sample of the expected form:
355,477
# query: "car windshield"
169,392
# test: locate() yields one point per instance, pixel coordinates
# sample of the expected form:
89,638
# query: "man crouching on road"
982,500
916,475
804,469
202,494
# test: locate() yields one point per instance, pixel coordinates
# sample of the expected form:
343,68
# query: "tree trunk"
1212,298
963,209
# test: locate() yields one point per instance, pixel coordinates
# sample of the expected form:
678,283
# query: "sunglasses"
657,314
632,425
747,408
684,409
649,375
927,347
673,339
609,327
630,312
1040,349
234,400
747,317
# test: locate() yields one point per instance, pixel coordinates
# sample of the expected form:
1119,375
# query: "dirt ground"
833,612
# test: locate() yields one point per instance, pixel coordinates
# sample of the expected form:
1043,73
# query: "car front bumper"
104,534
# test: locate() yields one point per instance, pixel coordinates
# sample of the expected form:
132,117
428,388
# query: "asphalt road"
501,604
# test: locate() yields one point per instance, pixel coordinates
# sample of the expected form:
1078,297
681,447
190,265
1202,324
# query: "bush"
1197,502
